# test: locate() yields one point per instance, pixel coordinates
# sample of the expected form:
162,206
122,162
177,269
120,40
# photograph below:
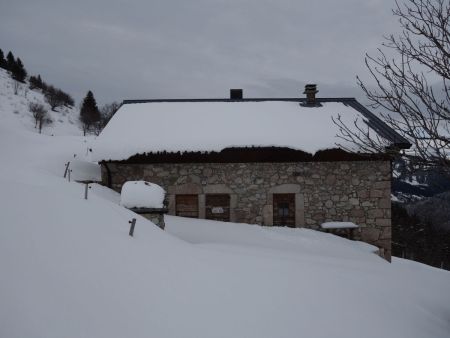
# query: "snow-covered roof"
141,127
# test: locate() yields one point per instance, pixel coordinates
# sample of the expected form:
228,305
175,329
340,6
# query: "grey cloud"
178,48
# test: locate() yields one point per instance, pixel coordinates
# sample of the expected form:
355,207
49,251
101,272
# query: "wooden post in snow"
133,223
86,191
67,169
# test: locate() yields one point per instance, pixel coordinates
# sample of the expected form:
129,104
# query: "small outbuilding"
267,161
146,199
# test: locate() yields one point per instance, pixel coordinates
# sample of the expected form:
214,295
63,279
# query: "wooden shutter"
218,207
186,205
284,210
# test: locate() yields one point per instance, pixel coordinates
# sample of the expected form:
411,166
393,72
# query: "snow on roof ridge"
247,99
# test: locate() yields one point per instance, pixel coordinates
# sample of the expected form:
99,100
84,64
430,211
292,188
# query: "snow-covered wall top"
141,194
213,126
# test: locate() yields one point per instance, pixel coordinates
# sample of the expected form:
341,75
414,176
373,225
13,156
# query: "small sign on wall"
217,210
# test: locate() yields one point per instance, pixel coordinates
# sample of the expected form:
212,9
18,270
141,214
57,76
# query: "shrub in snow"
142,194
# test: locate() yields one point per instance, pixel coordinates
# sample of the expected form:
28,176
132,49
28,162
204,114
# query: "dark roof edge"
381,127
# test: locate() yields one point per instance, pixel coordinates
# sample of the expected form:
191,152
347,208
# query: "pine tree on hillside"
2,60
10,61
33,82
18,71
36,82
89,113
41,84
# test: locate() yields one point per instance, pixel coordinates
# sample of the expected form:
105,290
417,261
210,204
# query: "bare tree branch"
412,88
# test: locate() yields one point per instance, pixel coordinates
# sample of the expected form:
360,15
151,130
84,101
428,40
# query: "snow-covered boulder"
142,194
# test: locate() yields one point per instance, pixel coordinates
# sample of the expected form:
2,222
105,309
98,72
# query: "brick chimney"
311,91
236,94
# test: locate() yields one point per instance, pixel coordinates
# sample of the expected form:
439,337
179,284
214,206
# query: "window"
217,207
284,210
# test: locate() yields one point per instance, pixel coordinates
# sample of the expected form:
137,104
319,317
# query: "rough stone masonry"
355,191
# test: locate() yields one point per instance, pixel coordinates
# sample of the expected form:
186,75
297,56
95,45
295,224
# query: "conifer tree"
18,71
2,60
10,61
39,82
33,82
89,113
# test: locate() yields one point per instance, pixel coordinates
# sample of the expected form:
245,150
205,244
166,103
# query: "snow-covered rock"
142,194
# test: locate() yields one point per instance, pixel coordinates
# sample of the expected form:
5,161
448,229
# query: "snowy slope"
14,109
69,269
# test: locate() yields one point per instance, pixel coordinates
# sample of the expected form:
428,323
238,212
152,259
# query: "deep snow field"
69,269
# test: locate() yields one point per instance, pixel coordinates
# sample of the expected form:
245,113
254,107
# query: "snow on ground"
338,225
84,171
14,109
286,240
105,193
69,269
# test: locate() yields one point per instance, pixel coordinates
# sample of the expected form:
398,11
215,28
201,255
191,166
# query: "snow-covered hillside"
69,269
14,109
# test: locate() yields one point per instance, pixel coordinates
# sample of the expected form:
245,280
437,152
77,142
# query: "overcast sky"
195,49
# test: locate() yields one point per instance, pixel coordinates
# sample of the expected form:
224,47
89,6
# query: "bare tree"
53,97
107,111
40,115
412,85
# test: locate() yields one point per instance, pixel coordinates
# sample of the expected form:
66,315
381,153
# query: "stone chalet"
267,161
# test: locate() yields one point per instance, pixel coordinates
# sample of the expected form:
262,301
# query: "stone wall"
155,218
324,191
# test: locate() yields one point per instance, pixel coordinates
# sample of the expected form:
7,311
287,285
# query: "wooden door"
186,206
284,210
217,207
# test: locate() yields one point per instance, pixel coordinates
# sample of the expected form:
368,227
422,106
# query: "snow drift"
69,269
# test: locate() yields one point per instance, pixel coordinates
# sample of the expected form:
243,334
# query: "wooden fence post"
86,191
133,223
67,168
